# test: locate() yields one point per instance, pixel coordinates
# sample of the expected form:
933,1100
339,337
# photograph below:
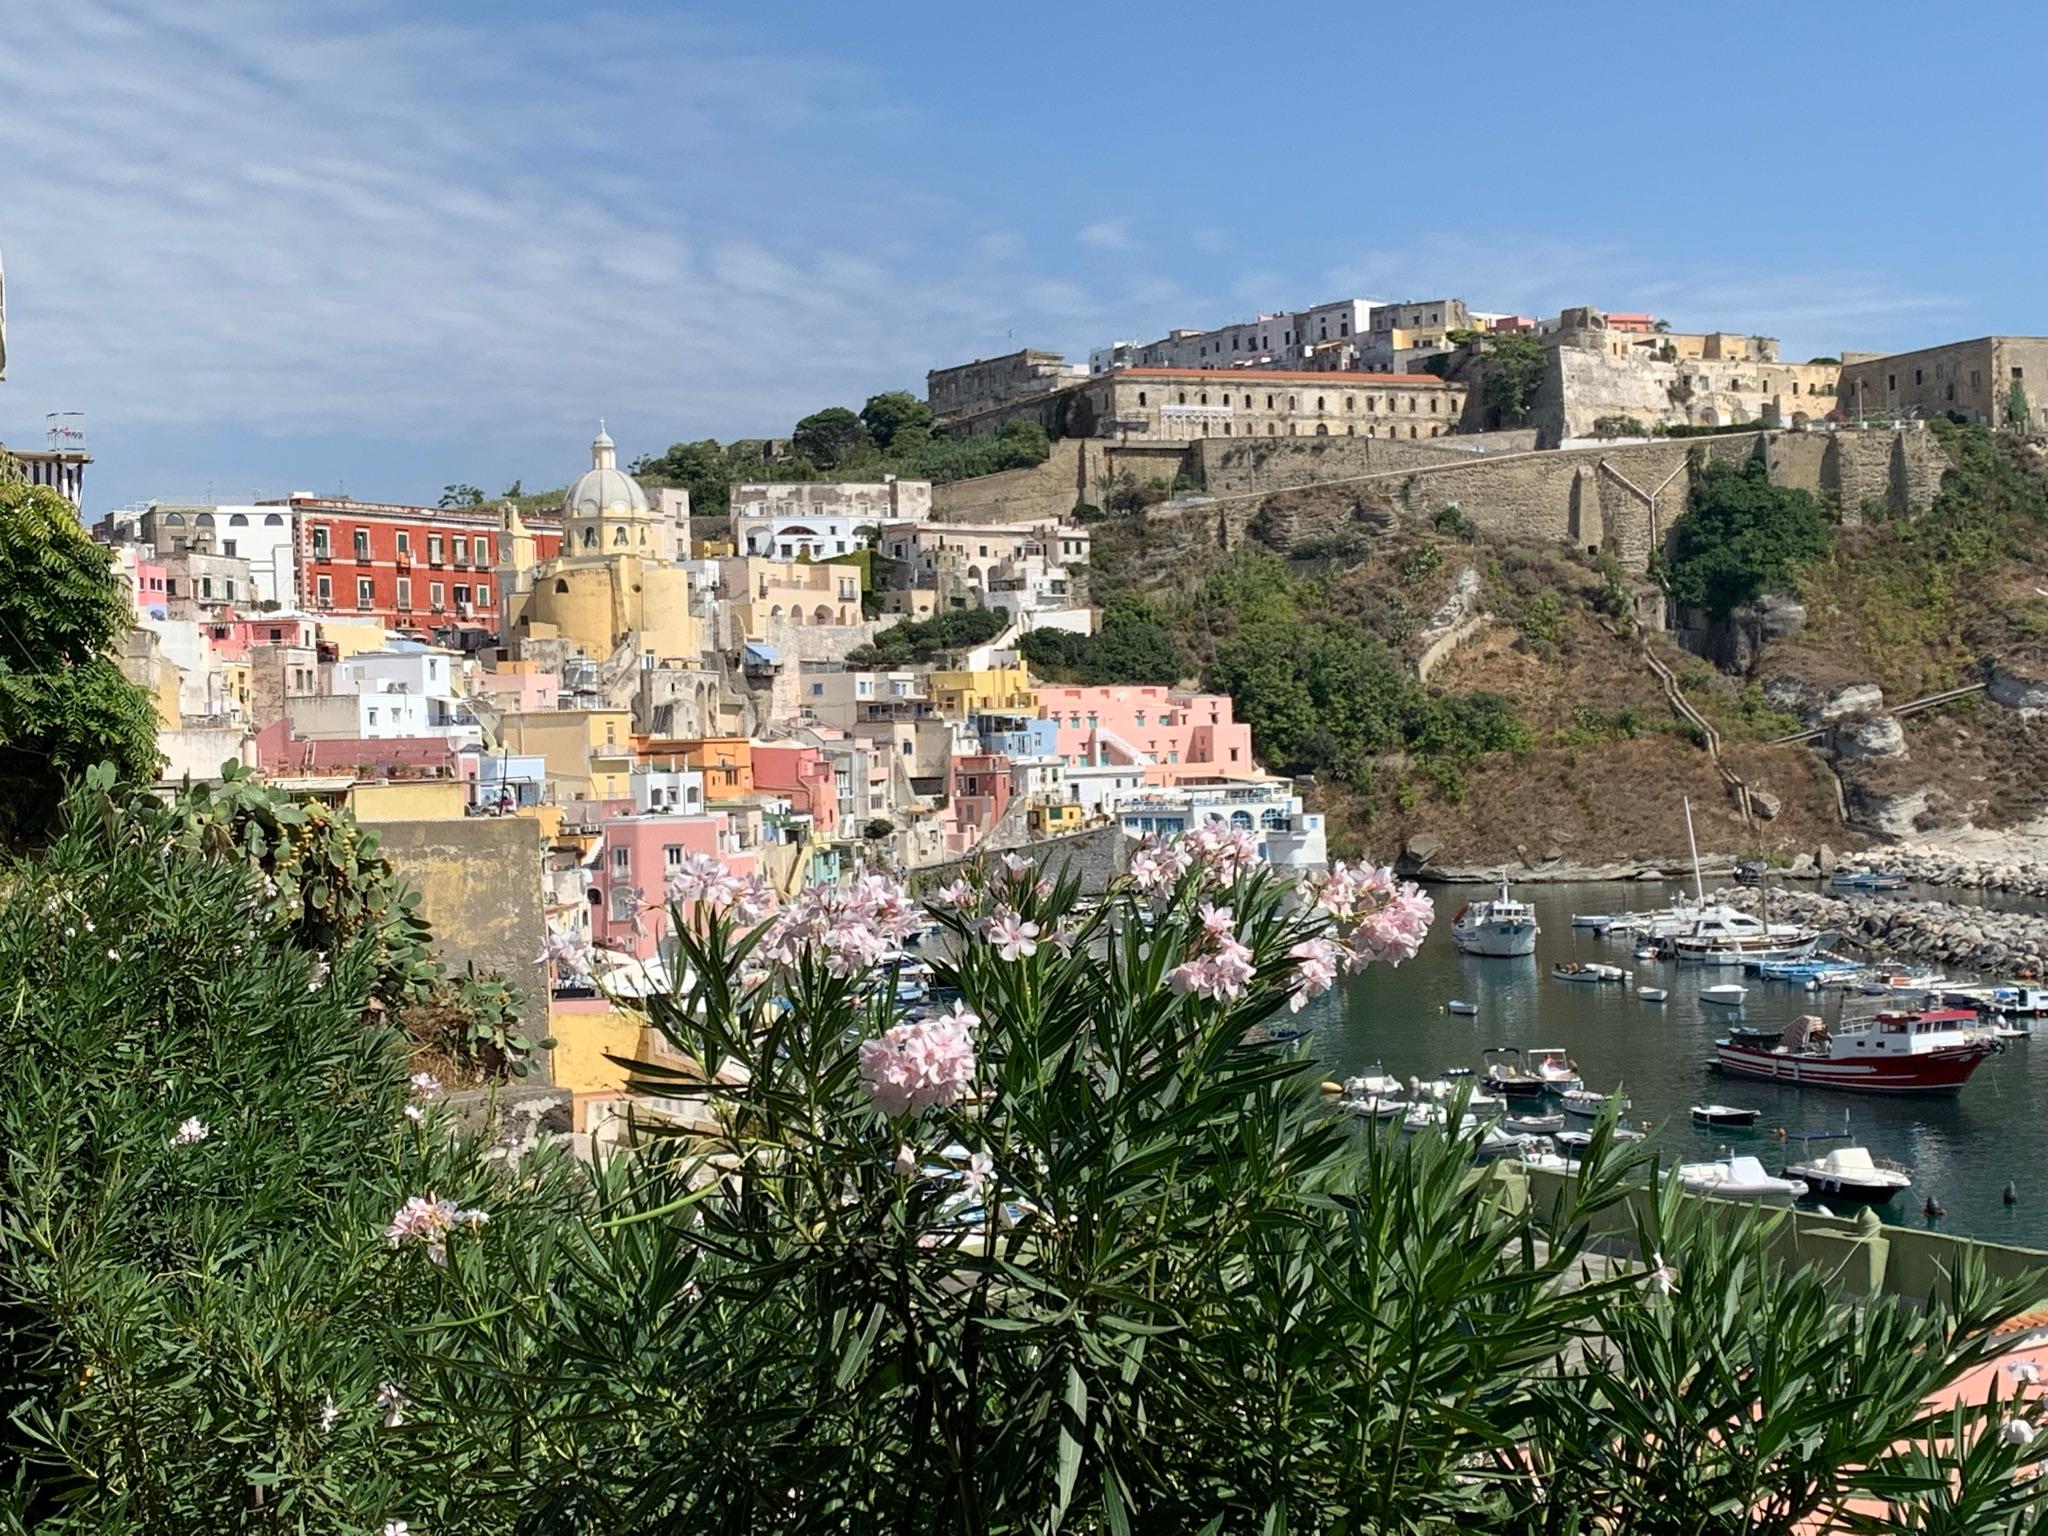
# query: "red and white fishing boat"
1886,1049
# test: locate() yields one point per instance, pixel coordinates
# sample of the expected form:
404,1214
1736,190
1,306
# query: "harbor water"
1963,1150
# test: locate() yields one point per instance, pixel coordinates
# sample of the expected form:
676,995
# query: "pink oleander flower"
394,1402
1156,866
190,1131
754,899
2016,1431
906,1162
1014,937
1315,971
980,1168
1218,923
916,1065
2025,1372
1662,1277
702,877
954,893
1394,931
1223,852
568,953
328,1413
396,1528
415,1113
853,927
962,1016
428,1220
1221,976
1019,870
1349,890
423,1085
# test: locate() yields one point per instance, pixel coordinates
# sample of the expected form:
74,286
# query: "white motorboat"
1375,1108
1555,1067
1549,1162
1373,1083
1500,927
1905,982
1463,1006
1652,994
1588,1105
1532,1125
1578,1141
1738,1178
1884,1048
1727,995
1851,1173
1586,971
1723,1114
1718,934
1649,952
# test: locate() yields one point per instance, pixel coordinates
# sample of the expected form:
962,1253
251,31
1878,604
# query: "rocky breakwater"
1987,943
1934,866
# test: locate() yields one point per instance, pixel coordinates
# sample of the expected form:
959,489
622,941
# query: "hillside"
1542,731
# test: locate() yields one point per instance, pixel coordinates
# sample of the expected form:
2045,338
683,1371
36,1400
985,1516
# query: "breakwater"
1962,871
1989,943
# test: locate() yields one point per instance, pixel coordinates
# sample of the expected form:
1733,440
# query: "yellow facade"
960,694
798,592
1049,817
588,753
348,637
409,800
586,1036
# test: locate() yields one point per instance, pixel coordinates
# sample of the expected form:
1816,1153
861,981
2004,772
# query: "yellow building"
349,637
960,694
1050,816
408,799
727,762
801,592
615,580
588,753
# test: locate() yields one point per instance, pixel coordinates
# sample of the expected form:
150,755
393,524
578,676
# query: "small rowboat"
1572,970
1587,1104
1724,1114
1727,994
1652,994
1462,1005
1578,1141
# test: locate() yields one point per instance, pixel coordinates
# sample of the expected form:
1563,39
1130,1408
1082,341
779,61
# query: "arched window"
274,520
1319,402
561,585
1141,397
1322,430
796,615
1411,429
203,520
1241,820
589,537
238,521
1271,818
1204,398
619,535
775,612
821,615
174,519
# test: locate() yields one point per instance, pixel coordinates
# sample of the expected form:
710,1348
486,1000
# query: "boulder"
1764,803
1754,625
1824,861
1894,817
1870,736
1793,695
1422,849
1802,864
2018,686
1850,699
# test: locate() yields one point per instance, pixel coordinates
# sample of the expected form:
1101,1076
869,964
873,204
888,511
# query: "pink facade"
1176,730
1641,324
232,637
523,691
628,910
981,789
801,774
396,757
146,581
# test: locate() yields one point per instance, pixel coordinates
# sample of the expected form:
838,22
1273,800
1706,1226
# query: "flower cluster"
925,1062
1315,971
568,953
427,1220
1222,852
1157,865
1386,919
392,1399
954,893
1221,966
704,879
854,927
1014,937
189,1131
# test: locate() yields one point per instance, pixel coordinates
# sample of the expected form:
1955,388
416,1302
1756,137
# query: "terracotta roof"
1232,375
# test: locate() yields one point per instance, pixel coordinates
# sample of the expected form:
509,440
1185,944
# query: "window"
320,549
323,590
906,749
1350,402
2019,372
372,714
434,548
1976,378
1141,397
483,599
461,547
672,855
404,542
405,592
483,550
1183,397
461,595
434,595
1269,402
1319,402
206,586
231,588
273,520
366,592
362,543
227,547
238,521
1916,378
622,903
622,860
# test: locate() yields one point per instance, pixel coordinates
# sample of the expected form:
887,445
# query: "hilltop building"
1991,381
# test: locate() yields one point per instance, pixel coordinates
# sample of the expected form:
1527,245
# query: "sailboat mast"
1699,890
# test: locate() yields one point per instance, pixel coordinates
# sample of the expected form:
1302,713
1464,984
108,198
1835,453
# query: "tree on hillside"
828,437
1742,537
461,496
64,704
888,414
702,468
1132,646
1513,373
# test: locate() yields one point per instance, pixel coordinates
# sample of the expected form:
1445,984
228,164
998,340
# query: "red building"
981,793
406,567
801,773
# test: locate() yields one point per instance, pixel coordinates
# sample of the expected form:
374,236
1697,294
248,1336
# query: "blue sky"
378,247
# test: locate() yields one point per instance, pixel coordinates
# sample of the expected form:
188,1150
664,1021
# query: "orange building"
727,762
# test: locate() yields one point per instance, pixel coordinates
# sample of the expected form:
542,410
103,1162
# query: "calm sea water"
1963,1150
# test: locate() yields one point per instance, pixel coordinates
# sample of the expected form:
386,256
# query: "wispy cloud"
288,220
1114,235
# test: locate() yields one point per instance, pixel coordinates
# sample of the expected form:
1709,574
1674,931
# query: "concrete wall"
1227,466
480,889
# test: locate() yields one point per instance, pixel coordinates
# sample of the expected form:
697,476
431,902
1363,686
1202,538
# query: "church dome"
604,490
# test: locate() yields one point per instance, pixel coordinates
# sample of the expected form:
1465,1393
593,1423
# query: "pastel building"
1289,837
762,593
981,791
800,774
637,854
588,752
1173,731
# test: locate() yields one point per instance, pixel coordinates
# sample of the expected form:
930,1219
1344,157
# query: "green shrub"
914,642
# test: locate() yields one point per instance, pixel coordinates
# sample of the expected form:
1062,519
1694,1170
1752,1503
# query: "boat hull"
1495,941
1931,1074
1827,1186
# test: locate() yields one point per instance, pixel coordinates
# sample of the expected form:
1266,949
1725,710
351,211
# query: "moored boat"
1723,1114
1578,1141
1738,1178
1851,1173
1586,971
1555,1066
1652,994
1532,1125
1500,927
1588,1105
1726,995
1889,1050
1462,1006
1507,1077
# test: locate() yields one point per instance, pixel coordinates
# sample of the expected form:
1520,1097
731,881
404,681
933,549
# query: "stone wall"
480,889
1237,466
1096,857
1077,470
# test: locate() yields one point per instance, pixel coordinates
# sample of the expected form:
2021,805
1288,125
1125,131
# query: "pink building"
231,637
521,691
800,774
980,793
1637,324
394,757
145,581
1178,731
628,910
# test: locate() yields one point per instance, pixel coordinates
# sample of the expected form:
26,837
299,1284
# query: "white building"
1289,837
668,792
428,672
260,535
819,519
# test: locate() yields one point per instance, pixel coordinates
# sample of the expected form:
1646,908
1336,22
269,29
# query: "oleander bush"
1082,1249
